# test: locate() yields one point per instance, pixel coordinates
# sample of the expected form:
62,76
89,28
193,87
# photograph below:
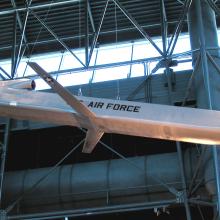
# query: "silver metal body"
115,116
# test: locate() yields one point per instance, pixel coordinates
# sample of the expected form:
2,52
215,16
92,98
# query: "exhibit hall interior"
109,109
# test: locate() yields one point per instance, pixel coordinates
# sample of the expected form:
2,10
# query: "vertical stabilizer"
93,134
92,138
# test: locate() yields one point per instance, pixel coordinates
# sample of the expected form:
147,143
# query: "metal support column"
3,149
207,80
14,48
183,179
3,215
184,195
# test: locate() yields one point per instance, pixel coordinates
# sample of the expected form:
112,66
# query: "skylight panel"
114,55
137,70
111,73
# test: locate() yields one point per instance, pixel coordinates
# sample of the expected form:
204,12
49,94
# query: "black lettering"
109,105
130,108
96,104
123,107
90,104
137,108
100,105
116,107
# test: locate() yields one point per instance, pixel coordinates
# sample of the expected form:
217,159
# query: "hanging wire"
132,54
20,53
60,64
79,24
118,91
116,26
149,84
116,43
51,170
94,71
79,92
38,35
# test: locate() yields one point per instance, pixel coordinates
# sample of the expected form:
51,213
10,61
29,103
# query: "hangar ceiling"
68,21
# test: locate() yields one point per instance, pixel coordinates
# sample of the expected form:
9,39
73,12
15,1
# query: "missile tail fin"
92,138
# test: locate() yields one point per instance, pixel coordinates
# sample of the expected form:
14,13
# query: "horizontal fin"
92,138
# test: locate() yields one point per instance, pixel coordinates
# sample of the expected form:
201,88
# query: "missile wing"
101,116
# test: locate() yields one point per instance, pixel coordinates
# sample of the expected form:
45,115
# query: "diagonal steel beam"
96,35
120,30
191,80
213,6
200,212
213,61
33,187
196,171
139,87
163,18
172,190
18,58
183,178
180,2
56,37
19,19
136,24
2,77
91,17
9,77
38,6
179,26
157,179
93,71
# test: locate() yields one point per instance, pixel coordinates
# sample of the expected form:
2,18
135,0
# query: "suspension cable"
33,187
